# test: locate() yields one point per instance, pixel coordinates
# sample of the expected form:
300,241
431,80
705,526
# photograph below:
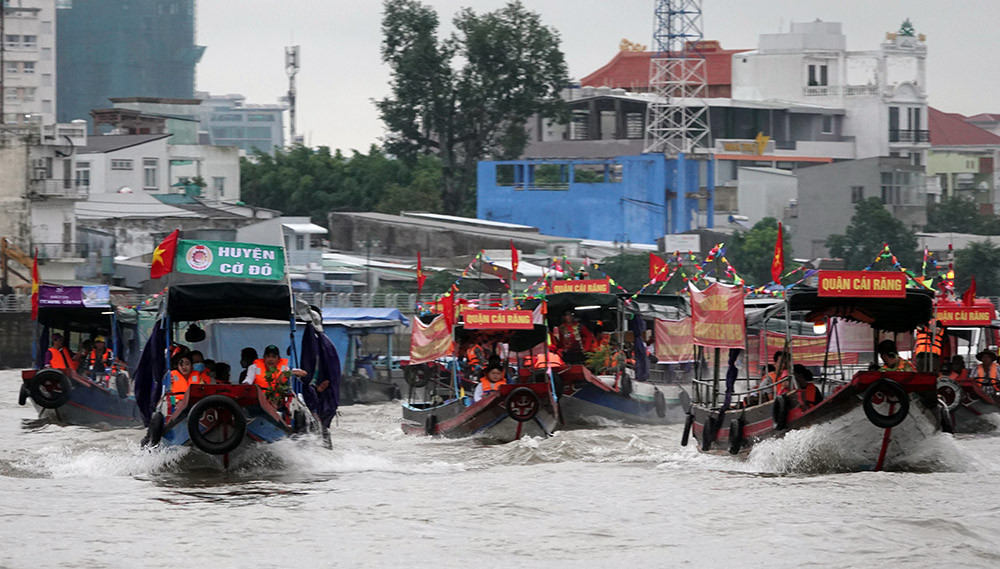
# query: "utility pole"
3,64
291,69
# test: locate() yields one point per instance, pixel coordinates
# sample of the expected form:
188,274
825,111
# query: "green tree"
955,215
872,226
629,270
424,193
751,253
468,96
982,260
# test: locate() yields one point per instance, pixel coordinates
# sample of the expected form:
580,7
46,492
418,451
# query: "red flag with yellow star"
35,282
778,262
163,256
421,277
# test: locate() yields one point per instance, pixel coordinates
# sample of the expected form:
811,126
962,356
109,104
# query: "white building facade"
29,81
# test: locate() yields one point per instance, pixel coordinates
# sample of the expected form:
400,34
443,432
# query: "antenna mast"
291,69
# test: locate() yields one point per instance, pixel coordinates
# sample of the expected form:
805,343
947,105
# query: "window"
29,41
46,79
257,117
29,94
827,124
149,167
83,174
817,75
227,117
219,185
300,242
10,95
11,40
28,68
121,164
857,193
11,68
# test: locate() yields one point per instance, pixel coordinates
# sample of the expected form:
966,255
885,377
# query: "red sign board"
601,285
867,284
981,313
497,320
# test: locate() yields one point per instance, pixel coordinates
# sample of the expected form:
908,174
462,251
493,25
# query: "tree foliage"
751,253
468,96
307,181
982,260
871,227
629,270
959,215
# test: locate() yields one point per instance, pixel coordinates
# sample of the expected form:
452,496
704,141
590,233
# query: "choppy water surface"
612,496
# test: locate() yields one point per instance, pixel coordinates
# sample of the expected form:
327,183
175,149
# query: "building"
29,62
230,121
963,160
123,48
827,194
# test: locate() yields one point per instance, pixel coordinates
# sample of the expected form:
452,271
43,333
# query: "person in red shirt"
572,339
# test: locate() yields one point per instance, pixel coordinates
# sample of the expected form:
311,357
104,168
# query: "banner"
870,284
717,314
673,341
429,342
594,285
226,259
806,350
498,320
97,296
981,313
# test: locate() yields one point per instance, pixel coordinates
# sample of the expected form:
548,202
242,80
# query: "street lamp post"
368,243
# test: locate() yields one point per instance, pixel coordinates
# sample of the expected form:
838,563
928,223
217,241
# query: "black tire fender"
883,388
736,435
50,388
660,403
707,434
779,412
22,396
687,429
416,375
625,385
239,425
522,404
155,430
949,393
122,382
944,418
430,425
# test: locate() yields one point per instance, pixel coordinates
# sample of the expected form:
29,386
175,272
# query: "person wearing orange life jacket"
271,371
927,346
490,382
100,362
182,376
958,370
776,377
890,358
988,372
475,357
58,356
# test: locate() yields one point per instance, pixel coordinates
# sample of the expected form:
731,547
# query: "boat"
366,377
973,402
72,396
883,417
224,420
622,391
437,403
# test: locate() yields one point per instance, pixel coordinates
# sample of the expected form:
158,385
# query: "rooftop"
951,129
630,69
113,142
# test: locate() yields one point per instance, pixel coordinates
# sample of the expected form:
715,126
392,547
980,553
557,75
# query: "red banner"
981,313
869,284
429,342
601,285
674,341
498,320
806,350
717,314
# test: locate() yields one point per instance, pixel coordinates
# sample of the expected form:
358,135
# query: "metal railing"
856,90
897,135
51,187
60,250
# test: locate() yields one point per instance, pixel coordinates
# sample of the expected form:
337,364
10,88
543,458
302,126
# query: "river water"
611,496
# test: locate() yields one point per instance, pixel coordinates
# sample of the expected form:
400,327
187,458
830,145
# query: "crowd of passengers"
93,360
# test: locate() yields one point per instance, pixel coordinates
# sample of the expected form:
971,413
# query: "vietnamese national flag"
778,263
163,256
657,268
969,297
513,261
448,308
421,277
35,282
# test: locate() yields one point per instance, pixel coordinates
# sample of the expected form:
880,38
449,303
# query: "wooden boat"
972,402
882,416
224,419
67,395
438,405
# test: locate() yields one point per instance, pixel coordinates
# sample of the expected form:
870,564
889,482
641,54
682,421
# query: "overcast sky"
341,72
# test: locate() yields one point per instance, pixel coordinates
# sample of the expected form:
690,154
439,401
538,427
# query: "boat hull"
88,404
587,397
978,411
488,418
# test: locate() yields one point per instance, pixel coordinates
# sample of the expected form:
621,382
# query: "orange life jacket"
901,365
475,356
538,362
60,358
108,359
261,380
925,342
179,384
992,375
491,385
781,384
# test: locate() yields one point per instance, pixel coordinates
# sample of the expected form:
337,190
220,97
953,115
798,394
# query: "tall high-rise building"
29,52
123,48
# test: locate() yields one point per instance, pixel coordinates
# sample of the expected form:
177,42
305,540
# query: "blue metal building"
634,198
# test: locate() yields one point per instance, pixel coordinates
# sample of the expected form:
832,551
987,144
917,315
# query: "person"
890,358
927,346
475,357
270,374
776,376
808,392
247,356
572,339
59,356
181,378
958,371
490,382
81,356
987,372
197,361
222,371
100,362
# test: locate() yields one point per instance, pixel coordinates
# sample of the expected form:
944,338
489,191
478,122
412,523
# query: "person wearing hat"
490,382
58,356
890,358
100,361
987,371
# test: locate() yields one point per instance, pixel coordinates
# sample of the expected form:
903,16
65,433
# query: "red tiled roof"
950,129
984,117
630,69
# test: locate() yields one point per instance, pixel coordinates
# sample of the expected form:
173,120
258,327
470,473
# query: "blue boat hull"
589,401
94,405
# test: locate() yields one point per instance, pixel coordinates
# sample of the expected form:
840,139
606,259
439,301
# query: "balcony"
821,91
55,188
54,251
909,135
860,90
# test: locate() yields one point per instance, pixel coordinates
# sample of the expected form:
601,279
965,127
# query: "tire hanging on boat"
736,435
944,419
155,430
707,434
430,425
883,389
522,404
416,375
660,403
949,393
122,384
22,397
687,429
50,388
625,385
779,412
232,439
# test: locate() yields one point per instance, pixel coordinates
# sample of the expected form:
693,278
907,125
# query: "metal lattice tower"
677,121
291,69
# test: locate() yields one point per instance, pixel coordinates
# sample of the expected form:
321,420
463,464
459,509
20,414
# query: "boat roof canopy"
76,319
211,301
517,340
664,306
889,314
